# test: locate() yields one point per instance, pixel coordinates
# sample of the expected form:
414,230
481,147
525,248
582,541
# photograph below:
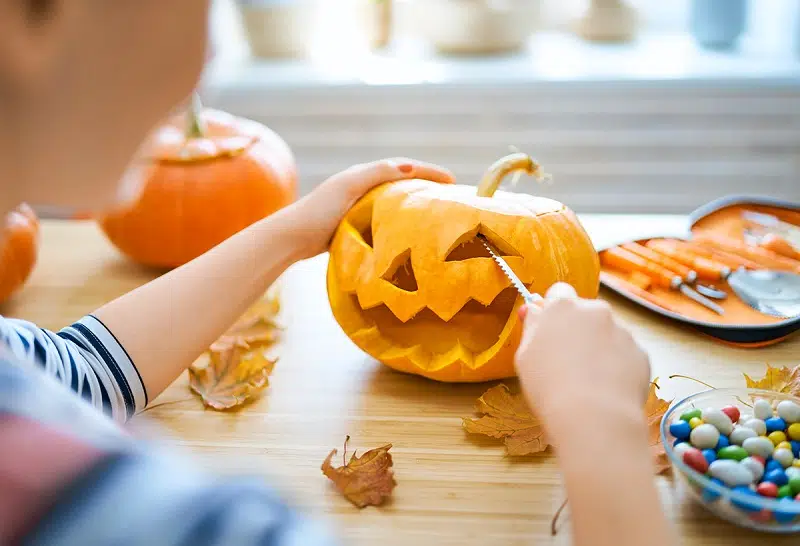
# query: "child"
82,82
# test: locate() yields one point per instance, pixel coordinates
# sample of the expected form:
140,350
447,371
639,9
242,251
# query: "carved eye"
402,275
472,247
363,224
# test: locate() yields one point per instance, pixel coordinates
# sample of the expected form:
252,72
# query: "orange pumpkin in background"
410,282
206,183
19,242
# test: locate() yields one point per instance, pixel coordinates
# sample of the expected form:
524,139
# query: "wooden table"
453,488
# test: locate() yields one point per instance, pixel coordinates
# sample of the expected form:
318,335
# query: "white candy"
754,466
758,425
718,419
741,433
731,473
783,456
792,472
762,409
758,446
681,448
705,436
789,411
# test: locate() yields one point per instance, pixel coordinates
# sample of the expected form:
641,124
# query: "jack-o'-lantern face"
410,282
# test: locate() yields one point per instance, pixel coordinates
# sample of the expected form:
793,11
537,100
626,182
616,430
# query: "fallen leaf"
507,416
785,380
654,409
231,374
258,322
365,481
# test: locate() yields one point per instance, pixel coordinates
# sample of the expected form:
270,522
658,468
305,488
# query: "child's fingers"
561,290
361,178
411,168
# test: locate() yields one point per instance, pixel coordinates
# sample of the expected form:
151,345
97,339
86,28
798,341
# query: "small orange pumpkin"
204,185
19,242
412,285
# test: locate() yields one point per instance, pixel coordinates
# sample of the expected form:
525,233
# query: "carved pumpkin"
205,184
412,285
19,241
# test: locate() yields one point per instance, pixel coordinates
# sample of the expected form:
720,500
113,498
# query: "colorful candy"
732,412
740,434
762,409
694,458
783,456
757,425
731,472
777,437
767,489
755,466
759,445
717,418
754,455
775,424
735,453
706,436
680,430
778,477
789,411
689,415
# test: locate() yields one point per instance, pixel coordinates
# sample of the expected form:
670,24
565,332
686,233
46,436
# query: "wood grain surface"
452,488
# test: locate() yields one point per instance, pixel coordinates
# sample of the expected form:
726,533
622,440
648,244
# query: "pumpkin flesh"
411,284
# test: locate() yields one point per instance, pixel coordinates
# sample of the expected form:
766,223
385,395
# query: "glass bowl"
752,511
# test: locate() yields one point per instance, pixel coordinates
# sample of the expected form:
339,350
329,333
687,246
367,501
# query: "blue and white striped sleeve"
85,357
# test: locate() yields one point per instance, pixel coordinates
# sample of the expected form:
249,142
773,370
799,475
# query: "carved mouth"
476,327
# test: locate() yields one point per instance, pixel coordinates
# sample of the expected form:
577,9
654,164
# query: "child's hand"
319,212
574,355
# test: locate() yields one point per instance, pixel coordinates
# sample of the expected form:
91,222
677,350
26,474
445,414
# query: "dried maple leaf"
365,481
507,416
258,322
654,410
231,374
785,380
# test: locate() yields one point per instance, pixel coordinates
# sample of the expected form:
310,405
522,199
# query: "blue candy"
778,477
678,441
775,423
791,512
709,495
753,506
710,455
723,442
680,429
771,465
795,448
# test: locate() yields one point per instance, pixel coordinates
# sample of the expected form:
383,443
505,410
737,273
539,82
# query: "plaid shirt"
70,476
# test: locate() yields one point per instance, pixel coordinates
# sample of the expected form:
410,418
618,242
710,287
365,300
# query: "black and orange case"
740,325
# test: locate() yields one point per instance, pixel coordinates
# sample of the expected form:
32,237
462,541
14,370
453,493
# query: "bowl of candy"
737,451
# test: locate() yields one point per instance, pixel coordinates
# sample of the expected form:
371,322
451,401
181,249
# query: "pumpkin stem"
195,127
516,162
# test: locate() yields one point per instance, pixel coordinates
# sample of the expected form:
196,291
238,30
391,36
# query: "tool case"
717,231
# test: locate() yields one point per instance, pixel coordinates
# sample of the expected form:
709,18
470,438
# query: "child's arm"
166,324
590,393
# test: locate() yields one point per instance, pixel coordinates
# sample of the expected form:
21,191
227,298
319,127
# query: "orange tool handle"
775,243
664,261
641,280
726,258
627,261
766,258
706,269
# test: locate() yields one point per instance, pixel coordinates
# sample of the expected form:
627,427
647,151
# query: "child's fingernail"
522,312
405,168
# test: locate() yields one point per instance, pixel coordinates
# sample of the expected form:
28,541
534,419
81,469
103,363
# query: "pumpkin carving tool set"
733,271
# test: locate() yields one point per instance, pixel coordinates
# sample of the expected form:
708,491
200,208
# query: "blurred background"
632,105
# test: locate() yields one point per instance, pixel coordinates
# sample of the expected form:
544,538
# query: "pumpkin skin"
203,186
19,242
411,285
